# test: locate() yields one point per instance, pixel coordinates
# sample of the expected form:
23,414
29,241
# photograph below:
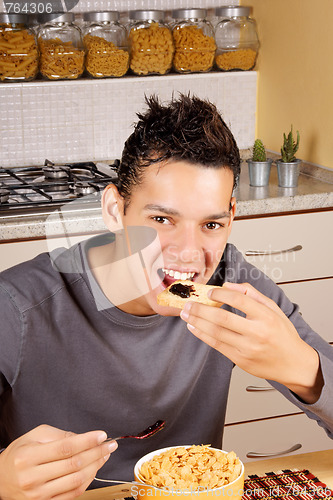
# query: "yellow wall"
295,75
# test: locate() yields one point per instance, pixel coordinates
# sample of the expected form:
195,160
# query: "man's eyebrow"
171,211
160,208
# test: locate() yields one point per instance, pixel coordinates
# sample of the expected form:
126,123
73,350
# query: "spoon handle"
115,439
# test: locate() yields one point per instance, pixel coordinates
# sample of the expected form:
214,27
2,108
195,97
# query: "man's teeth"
177,275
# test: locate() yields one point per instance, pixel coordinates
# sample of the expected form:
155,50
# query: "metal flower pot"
288,173
259,172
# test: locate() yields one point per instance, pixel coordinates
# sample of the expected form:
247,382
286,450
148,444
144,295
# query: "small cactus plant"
289,147
258,151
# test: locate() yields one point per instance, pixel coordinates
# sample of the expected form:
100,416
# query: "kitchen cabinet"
305,274
252,398
315,300
295,251
268,438
288,248
14,252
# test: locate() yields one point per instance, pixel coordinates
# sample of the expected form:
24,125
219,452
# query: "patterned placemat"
286,485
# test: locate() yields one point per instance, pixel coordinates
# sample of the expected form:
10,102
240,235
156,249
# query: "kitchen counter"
319,463
314,191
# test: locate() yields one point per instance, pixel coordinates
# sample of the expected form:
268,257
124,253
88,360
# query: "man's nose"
189,245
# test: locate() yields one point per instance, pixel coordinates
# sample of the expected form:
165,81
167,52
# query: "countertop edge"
41,227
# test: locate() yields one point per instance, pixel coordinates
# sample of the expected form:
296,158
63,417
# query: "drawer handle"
257,454
249,253
257,388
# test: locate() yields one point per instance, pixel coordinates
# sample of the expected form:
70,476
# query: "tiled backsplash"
90,120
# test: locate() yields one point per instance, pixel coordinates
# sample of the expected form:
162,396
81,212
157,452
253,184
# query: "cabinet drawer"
251,398
274,436
19,251
315,301
311,231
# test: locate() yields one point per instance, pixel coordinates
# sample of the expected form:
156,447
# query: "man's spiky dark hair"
186,129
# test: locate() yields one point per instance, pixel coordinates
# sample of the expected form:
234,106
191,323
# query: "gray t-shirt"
66,362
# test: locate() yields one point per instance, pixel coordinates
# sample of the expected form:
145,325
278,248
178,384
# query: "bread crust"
199,294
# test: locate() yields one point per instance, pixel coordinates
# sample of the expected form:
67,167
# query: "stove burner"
4,195
34,188
84,188
56,172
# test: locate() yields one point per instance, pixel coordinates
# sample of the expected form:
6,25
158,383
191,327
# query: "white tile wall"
90,120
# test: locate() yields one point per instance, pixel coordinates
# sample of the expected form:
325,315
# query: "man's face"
189,207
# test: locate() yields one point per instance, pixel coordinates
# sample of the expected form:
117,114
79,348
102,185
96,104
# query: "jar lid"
233,11
33,20
188,13
57,17
13,18
143,15
110,15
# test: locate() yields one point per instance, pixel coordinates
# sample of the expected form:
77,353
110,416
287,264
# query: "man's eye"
160,219
213,225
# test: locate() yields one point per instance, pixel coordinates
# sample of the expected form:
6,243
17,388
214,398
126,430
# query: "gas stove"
26,190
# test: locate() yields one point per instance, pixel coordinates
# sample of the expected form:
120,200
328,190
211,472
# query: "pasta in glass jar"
236,39
150,42
105,41
18,49
194,41
61,47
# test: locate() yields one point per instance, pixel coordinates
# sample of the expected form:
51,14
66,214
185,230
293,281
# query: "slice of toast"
186,291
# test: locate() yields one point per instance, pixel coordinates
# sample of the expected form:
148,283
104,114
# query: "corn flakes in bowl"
180,471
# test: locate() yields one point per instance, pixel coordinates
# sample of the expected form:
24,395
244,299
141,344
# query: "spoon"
150,431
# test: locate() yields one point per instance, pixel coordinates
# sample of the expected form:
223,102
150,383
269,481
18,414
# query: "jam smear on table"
183,291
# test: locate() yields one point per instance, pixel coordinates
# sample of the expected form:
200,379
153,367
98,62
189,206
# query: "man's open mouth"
169,276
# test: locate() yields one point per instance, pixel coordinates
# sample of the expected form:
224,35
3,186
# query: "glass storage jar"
60,46
151,43
18,49
236,39
33,24
194,41
105,41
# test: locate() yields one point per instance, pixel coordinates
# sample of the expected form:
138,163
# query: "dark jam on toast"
183,291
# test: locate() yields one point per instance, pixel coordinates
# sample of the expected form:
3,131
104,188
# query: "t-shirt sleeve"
11,339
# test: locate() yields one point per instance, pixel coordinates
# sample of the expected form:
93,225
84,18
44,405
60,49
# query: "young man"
85,346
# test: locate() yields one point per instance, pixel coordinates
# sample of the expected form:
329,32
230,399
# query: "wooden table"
319,463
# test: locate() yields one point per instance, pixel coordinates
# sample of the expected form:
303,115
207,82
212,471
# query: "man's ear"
112,208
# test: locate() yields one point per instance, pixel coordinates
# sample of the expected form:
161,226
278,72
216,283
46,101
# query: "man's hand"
265,343
50,463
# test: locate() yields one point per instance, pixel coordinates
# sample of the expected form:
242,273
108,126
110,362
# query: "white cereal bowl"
145,491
